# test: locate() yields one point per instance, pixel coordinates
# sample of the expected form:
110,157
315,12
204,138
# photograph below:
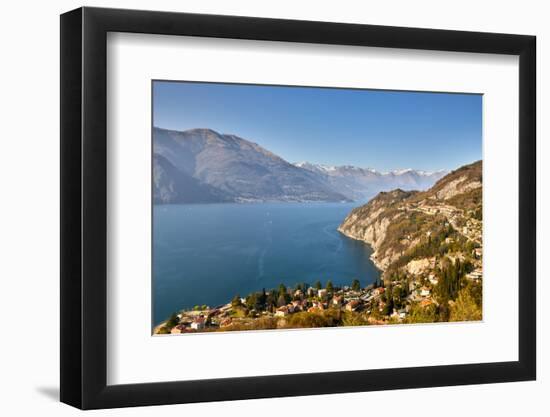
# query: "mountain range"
204,166
364,183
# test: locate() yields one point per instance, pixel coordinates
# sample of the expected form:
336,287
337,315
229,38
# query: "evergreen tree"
271,300
443,312
261,300
283,294
251,301
236,301
397,296
355,285
172,321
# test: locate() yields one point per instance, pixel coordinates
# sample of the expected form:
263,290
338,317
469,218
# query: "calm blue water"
206,254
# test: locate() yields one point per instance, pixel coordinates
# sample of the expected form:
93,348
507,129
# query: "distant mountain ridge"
352,168
204,166
227,168
364,183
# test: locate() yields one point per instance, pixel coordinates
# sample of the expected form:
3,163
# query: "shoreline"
371,257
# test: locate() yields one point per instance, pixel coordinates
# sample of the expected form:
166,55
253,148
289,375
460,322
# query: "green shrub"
465,308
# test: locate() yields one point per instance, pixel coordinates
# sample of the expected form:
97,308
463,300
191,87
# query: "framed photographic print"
259,208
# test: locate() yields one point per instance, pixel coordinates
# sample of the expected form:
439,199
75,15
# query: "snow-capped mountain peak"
343,168
359,183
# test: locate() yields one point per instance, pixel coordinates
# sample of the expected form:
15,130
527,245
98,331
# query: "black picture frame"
84,207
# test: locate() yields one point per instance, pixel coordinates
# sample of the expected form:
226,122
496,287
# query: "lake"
208,253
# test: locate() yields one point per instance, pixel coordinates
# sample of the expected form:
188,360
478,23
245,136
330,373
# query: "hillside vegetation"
429,240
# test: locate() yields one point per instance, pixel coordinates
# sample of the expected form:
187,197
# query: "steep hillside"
233,169
413,232
171,185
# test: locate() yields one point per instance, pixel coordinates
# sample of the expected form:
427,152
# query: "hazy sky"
367,128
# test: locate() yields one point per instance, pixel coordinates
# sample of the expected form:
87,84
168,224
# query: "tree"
419,314
476,291
283,295
163,330
317,285
444,312
329,286
354,319
465,308
355,285
172,321
388,308
281,301
271,300
451,279
261,300
397,296
236,301
251,301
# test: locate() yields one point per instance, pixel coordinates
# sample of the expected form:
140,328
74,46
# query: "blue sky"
368,128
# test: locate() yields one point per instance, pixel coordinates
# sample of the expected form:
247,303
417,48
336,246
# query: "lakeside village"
406,299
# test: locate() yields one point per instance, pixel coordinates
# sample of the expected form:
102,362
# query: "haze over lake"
208,253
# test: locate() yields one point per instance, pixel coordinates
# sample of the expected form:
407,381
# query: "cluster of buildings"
311,300
190,323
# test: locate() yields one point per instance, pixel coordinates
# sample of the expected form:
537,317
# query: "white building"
282,311
198,323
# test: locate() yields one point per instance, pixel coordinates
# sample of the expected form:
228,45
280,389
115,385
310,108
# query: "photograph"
292,207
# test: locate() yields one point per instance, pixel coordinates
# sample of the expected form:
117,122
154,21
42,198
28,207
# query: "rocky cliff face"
370,223
411,230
